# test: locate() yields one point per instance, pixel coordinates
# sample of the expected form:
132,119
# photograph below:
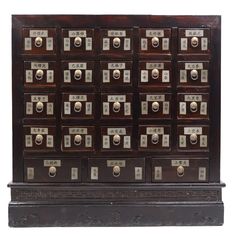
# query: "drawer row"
83,41
115,138
117,73
117,106
116,170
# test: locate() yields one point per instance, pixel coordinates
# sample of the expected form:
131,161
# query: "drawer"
77,106
39,40
77,138
193,138
39,105
78,73
180,170
39,138
116,106
155,106
193,73
155,73
194,106
116,170
38,73
116,40
116,73
116,138
155,40
154,138
52,170
77,41
194,40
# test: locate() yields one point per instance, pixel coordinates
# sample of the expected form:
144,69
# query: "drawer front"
77,138
193,105
116,170
39,40
155,73
155,106
39,105
116,73
39,138
193,73
38,73
116,138
77,106
193,138
154,138
194,40
116,40
180,170
155,40
78,73
52,170
116,106
77,41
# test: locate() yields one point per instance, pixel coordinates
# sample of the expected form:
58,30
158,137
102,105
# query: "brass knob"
38,42
52,171
194,42
77,139
194,74
77,42
155,73
116,42
39,139
39,106
193,106
180,171
116,171
155,138
155,106
116,139
193,138
78,74
155,42
116,74
77,106
116,106
39,74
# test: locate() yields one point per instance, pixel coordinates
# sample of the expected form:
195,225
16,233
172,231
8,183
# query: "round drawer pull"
78,74
116,171
116,106
194,74
116,42
39,74
77,42
39,139
155,138
116,139
180,171
52,171
39,107
155,42
193,138
38,42
155,73
77,139
116,74
194,42
155,106
193,106
77,106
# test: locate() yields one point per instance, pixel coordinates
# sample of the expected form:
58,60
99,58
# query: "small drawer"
180,170
77,106
154,138
155,106
77,138
52,170
194,40
116,138
155,73
39,105
116,73
39,138
193,138
116,106
116,170
39,40
155,40
38,74
77,41
194,106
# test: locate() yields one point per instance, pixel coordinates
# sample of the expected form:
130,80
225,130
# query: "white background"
164,7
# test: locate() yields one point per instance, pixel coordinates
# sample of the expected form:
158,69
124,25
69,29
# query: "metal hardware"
116,74
52,171
39,74
193,106
116,106
116,139
77,106
78,74
116,171
155,42
77,42
194,42
39,139
155,106
193,138
77,139
38,42
194,74
180,171
155,73
116,42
